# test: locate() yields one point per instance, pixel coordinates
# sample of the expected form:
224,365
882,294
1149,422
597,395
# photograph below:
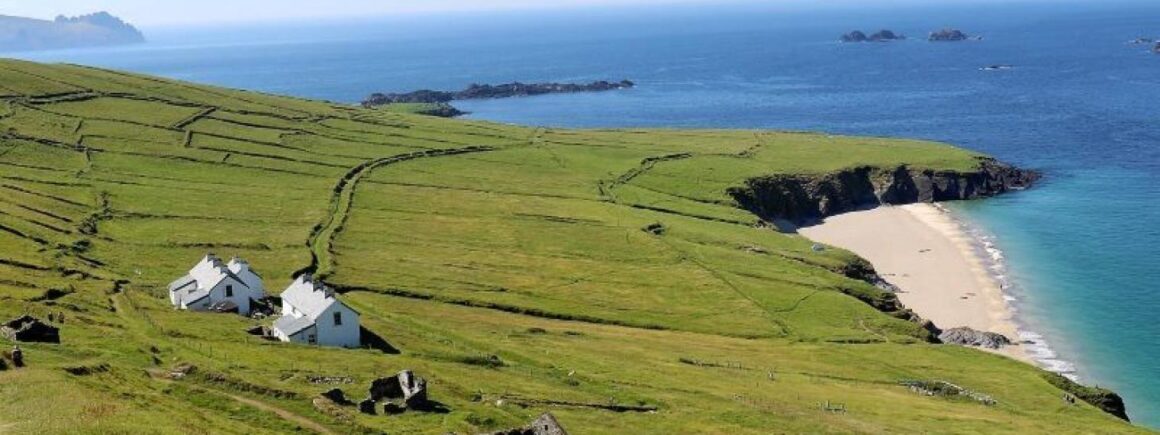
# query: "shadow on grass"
374,341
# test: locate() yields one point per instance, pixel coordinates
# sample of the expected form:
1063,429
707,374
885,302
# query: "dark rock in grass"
392,408
546,424
655,228
337,396
367,407
88,370
969,337
30,329
949,35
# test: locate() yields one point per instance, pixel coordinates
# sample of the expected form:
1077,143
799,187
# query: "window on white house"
229,291
337,319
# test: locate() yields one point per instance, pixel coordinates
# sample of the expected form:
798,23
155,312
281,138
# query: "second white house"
312,314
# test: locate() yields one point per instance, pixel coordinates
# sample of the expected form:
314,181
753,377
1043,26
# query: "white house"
312,314
213,285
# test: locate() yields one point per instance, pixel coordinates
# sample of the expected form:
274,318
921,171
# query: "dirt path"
284,414
321,240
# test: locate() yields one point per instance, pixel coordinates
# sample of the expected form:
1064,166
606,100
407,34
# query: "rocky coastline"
481,92
807,199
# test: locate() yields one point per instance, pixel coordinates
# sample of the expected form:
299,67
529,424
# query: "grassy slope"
529,248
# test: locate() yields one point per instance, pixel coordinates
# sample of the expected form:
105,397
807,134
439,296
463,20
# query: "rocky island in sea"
951,35
92,30
879,36
481,92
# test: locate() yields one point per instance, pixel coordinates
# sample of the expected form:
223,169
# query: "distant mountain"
99,29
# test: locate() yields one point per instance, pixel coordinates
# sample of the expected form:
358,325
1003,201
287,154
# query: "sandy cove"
921,249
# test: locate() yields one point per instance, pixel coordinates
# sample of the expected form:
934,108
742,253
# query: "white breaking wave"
1035,344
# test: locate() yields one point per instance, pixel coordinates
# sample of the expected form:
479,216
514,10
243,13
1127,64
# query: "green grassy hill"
457,241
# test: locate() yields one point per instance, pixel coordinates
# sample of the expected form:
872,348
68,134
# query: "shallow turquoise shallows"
1079,103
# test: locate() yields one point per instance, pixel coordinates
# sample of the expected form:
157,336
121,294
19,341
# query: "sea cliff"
804,199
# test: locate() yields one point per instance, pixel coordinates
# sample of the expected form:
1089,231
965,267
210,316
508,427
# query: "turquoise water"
1080,104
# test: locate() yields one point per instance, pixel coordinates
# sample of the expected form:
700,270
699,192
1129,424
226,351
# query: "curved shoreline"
984,245
937,263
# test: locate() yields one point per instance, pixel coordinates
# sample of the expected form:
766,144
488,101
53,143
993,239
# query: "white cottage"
312,314
213,285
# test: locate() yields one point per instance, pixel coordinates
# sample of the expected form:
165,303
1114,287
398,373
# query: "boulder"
969,337
30,329
367,407
1156,49
337,396
392,408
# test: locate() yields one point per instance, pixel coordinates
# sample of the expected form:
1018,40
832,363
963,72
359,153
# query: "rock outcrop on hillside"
92,30
1102,398
806,199
969,337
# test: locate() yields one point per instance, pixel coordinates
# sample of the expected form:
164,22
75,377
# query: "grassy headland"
457,241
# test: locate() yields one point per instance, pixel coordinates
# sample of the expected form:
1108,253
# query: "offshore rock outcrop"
950,35
506,90
806,199
879,36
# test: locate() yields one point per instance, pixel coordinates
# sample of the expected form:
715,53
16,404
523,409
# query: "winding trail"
321,240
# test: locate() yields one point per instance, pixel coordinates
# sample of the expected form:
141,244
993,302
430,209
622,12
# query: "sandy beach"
929,256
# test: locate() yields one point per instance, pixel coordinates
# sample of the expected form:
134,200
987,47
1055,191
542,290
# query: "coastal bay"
924,251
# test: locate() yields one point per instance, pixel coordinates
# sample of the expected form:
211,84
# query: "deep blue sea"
1080,104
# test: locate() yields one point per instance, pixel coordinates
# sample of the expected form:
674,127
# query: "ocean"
1078,252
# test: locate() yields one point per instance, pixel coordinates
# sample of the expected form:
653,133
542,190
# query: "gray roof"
291,325
195,296
309,296
181,282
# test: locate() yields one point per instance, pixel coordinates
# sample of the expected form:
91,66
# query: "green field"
457,241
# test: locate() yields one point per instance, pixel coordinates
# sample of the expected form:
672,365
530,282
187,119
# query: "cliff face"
805,199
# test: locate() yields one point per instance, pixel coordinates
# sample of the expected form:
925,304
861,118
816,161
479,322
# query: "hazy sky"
166,12
192,12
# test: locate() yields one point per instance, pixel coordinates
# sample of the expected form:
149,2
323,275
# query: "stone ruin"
30,329
411,389
546,424
399,393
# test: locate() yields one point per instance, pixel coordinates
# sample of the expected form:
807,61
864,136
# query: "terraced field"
457,241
